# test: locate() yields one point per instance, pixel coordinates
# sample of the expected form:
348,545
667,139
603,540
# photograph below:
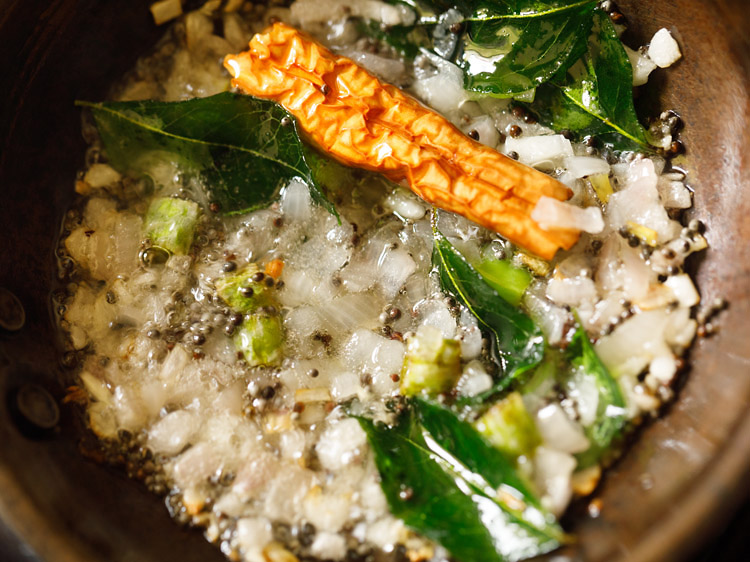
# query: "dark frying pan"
676,485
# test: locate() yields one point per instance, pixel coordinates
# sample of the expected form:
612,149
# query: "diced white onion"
571,291
253,533
559,432
367,352
173,432
639,203
196,465
663,368
296,201
165,10
390,70
552,472
546,151
664,50
675,195
101,175
474,380
642,66
340,444
328,546
549,317
635,343
484,125
683,289
551,213
582,166
405,205
443,91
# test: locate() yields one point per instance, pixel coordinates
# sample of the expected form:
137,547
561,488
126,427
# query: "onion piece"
551,213
664,50
165,10
443,91
545,151
583,166
552,472
683,289
642,66
559,432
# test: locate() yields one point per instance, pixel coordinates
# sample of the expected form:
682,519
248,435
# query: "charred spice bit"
675,148
268,392
298,407
214,207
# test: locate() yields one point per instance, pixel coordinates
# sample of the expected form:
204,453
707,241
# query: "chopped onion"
474,380
635,343
435,313
196,465
329,510
663,368
582,166
552,472
546,151
674,194
571,291
328,546
344,314
318,394
642,66
406,205
296,201
443,91
559,432
341,443
287,491
683,289
367,352
551,213
639,203
173,432
484,126
680,329
101,175
390,70
664,50
253,533
549,317
165,10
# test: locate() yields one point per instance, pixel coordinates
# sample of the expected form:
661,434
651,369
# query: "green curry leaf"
244,148
445,481
514,47
518,342
595,96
